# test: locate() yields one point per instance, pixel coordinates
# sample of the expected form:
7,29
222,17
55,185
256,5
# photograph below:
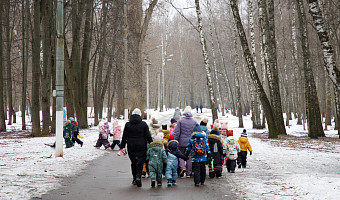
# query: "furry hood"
155,144
198,135
173,145
212,136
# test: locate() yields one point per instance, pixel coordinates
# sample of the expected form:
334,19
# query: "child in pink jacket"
117,131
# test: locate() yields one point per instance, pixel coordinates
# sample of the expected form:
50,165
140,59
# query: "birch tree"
273,133
312,103
206,62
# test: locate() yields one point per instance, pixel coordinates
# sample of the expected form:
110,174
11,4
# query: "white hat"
187,109
136,111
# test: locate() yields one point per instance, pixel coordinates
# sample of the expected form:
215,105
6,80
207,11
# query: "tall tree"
36,131
2,110
47,22
206,61
8,61
312,103
252,70
269,43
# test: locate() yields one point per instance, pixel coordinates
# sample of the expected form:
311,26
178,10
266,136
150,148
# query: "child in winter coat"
166,133
68,134
103,136
199,149
157,157
232,149
244,145
172,126
154,127
172,164
116,132
224,126
203,125
215,161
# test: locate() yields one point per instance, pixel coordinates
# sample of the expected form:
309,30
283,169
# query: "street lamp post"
164,59
148,63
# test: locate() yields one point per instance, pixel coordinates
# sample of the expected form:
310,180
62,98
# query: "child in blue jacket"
199,149
173,154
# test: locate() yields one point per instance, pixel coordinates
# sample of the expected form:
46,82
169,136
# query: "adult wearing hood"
177,114
136,135
182,134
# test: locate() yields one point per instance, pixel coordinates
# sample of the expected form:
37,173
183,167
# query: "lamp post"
148,63
164,59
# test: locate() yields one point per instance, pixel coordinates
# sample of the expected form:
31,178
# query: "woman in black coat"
136,135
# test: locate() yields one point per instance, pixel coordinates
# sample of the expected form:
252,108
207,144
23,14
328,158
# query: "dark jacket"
74,127
216,149
136,134
173,149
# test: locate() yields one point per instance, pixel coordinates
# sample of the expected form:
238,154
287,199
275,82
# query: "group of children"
104,133
213,149
209,148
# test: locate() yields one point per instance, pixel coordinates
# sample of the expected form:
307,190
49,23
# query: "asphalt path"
109,177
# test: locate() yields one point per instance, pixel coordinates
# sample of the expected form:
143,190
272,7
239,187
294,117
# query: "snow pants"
231,165
114,143
156,172
185,164
216,171
199,172
242,158
171,173
68,142
76,139
103,142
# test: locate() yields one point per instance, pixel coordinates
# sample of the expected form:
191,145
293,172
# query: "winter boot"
159,183
153,183
173,182
169,183
182,172
138,182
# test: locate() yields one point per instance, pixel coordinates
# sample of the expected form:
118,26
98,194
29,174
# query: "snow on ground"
292,167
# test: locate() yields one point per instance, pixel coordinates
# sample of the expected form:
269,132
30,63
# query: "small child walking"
215,161
67,133
244,145
116,132
172,164
199,149
232,149
157,157
103,136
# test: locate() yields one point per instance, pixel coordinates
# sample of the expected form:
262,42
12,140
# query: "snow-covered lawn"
292,167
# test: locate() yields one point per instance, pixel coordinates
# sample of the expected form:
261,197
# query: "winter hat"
158,137
215,131
136,111
244,133
154,121
197,128
224,124
164,127
173,120
71,119
187,109
67,123
115,123
204,122
230,133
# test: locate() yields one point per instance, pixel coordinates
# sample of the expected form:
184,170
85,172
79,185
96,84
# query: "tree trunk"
8,62
312,103
36,131
269,44
2,110
206,62
47,12
250,65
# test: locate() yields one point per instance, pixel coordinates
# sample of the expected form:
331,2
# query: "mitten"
251,153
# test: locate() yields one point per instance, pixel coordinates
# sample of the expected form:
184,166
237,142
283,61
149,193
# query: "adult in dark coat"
136,135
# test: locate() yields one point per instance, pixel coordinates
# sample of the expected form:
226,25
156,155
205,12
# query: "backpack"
198,147
103,132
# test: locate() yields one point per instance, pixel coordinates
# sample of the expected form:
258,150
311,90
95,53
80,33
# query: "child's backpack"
198,147
103,132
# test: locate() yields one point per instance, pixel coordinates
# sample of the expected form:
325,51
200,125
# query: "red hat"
230,133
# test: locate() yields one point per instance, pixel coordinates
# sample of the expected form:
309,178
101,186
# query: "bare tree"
2,110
